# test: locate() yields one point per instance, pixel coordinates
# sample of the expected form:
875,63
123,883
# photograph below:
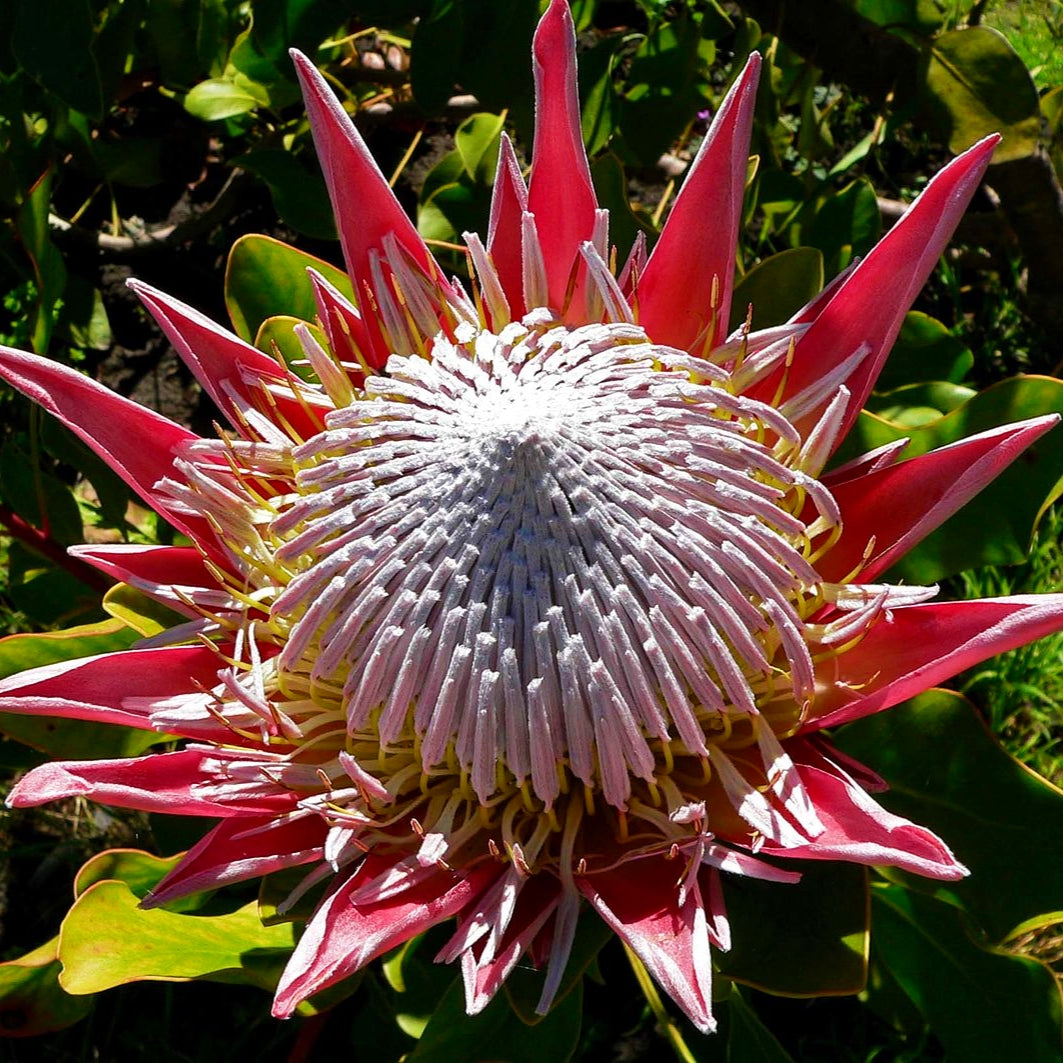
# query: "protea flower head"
536,595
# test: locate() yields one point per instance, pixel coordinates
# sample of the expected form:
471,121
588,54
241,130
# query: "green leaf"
525,987
976,85
112,491
610,185
218,98
139,870
38,497
31,1000
919,404
276,336
971,997
778,286
948,773
138,612
920,15
748,1039
452,1035
106,940
278,25
69,739
190,38
805,939
115,43
476,141
49,272
925,350
299,194
19,652
493,34
663,92
599,102
53,42
996,527
846,224
266,278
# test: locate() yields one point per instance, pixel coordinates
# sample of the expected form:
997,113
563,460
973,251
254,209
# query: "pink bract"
534,598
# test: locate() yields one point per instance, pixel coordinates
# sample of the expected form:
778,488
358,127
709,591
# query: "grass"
1035,30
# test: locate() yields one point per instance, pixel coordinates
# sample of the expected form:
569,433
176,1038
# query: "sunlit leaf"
476,141
266,277
138,612
978,85
218,98
778,286
106,940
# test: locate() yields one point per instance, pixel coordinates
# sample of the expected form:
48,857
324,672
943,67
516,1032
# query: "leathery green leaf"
31,1000
978,85
981,1003
451,1034
804,939
106,940
138,612
139,870
265,278
276,336
947,772
777,287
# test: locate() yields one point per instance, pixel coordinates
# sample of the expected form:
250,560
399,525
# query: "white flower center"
550,553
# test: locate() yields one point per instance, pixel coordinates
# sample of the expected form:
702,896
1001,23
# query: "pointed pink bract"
868,309
696,250
912,649
560,194
900,505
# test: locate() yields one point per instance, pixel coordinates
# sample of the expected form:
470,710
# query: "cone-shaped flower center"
551,555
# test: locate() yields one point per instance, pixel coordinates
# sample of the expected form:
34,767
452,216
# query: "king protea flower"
536,597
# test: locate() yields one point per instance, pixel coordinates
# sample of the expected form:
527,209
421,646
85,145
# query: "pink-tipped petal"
879,458
560,194
859,830
231,371
695,254
96,688
537,901
869,307
366,209
139,444
347,334
912,649
158,571
241,848
901,504
642,907
509,201
161,782
341,938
